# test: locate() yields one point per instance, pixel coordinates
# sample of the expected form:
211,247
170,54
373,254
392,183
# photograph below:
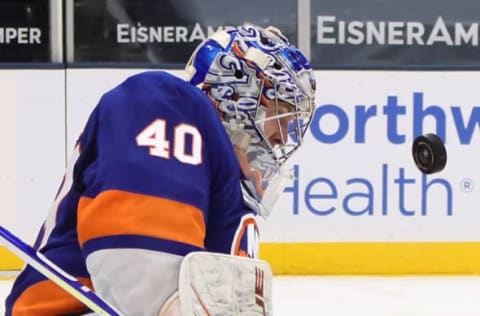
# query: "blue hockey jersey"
153,171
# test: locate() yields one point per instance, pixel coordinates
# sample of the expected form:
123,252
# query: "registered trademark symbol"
467,185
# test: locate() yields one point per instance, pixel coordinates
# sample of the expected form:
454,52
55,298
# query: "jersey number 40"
154,136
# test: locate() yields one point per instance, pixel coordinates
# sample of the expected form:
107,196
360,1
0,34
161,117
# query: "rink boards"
372,258
357,205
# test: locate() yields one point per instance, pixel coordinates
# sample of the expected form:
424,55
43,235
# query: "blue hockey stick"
54,273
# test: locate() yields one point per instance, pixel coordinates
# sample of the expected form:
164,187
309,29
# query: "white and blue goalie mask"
264,88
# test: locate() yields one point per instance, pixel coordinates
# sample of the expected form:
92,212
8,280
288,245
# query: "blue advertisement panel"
388,34
165,32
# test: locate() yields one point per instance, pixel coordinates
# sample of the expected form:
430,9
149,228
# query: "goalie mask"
263,88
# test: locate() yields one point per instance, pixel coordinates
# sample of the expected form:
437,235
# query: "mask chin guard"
274,189
271,194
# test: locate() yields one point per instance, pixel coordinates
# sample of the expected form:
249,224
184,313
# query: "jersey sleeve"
162,174
147,184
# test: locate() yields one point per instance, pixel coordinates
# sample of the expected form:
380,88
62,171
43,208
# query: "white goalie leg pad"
219,284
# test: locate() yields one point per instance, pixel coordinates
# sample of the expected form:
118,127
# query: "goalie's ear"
219,284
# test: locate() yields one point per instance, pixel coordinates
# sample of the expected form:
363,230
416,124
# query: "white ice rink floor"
362,296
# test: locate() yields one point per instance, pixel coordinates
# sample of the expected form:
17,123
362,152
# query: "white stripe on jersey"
51,219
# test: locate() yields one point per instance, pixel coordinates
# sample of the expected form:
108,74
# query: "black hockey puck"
429,153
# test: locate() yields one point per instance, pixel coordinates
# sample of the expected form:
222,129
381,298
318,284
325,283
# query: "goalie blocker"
219,284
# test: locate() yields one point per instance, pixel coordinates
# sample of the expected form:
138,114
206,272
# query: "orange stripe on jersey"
124,213
46,299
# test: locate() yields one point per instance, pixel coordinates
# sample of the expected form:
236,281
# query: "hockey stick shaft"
54,273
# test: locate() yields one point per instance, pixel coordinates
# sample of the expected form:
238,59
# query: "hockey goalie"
157,209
